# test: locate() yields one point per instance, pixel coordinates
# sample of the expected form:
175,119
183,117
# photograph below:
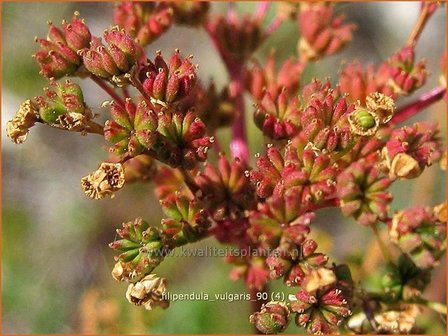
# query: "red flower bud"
57,56
322,33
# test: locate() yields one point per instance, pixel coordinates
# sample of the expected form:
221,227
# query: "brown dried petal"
17,129
148,292
106,180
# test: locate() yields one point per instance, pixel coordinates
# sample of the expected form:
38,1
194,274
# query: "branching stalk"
418,105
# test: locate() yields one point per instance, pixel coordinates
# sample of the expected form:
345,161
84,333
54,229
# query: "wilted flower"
133,127
410,149
420,234
104,181
115,60
57,56
140,247
187,220
407,75
17,128
322,33
145,21
148,292
273,318
379,109
362,192
399,320
226,189
169,82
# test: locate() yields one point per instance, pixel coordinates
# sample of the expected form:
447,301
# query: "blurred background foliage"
56,263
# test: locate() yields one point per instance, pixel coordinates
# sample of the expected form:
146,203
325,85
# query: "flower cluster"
421,233
323,33
410,149
113,61
58,54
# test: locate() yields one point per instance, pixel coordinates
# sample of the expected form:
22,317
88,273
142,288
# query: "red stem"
238,144
108,89
418,105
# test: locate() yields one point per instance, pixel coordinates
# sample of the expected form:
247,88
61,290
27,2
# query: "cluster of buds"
226,189
168,82
187,220
278,116
362,191
410,149
324,120
294,262
183,141
322,33
358,83
141,250
273,318
421,233
105,181
133,127
57,56
406,75
115,61
236,38
149,292
280,215
323,307
260,79
312,172
144,21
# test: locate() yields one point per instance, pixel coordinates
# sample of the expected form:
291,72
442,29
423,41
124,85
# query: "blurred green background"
56,263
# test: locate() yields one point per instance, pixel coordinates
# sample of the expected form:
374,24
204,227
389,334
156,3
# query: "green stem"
384,250
436,306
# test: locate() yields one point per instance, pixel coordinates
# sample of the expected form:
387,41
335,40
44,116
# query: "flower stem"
95,128
423,18
108,89
189,181
436,306
418,105
381,244
238,144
